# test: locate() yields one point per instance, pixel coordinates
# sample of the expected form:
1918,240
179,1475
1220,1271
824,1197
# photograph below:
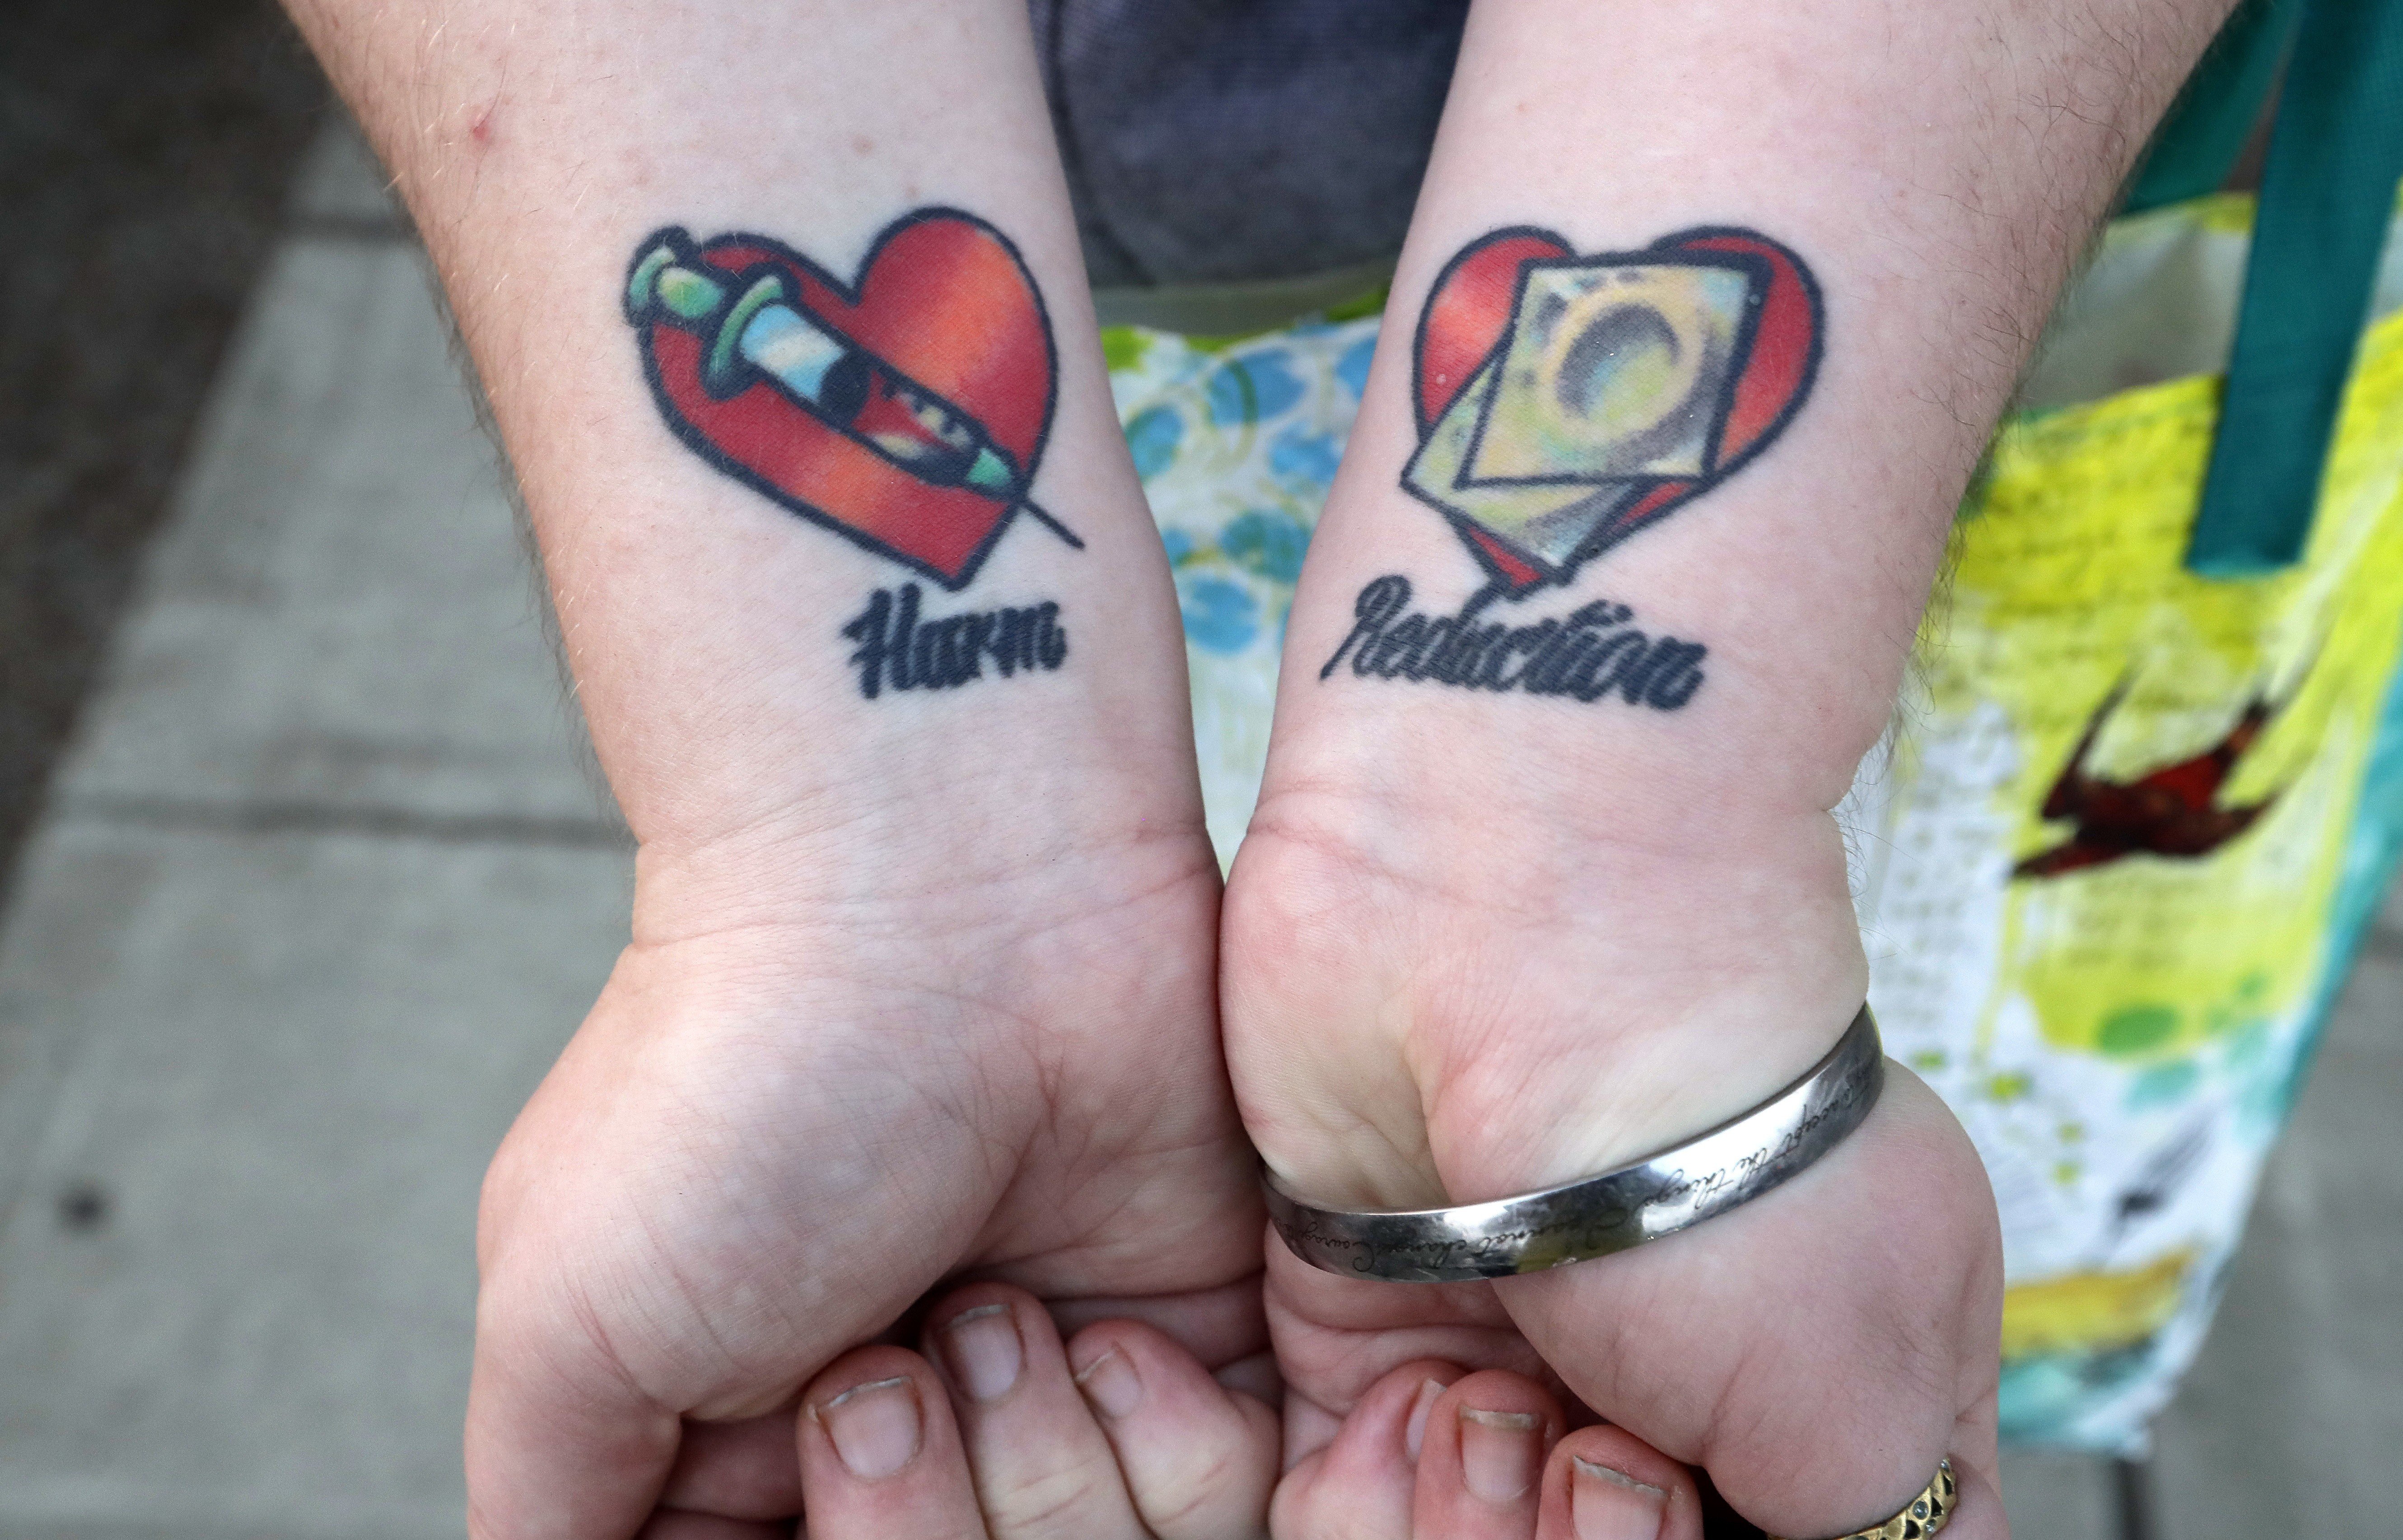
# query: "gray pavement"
322,888
326,881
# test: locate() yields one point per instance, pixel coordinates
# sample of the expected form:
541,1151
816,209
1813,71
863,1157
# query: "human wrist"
921,868
1553,1007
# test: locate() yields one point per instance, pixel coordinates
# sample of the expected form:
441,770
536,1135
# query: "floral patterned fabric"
1237,444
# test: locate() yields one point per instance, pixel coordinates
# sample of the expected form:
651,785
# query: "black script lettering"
1676,675
1013,643
899,650
905,630
1050,641
1588,677
1393,652
1380,601
1589,654
1435,643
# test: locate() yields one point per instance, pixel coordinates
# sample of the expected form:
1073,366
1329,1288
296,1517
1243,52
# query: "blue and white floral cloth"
1237,445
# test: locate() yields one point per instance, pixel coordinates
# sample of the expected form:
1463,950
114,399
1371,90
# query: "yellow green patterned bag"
2114,865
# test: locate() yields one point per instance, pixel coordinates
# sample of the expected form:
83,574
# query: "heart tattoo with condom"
1564,402
905,411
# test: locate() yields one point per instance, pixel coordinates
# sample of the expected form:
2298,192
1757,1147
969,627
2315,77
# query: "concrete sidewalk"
319,895
325,885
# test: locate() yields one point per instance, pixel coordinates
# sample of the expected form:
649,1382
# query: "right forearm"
794,624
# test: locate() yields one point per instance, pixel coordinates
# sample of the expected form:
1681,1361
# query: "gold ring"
1925,1514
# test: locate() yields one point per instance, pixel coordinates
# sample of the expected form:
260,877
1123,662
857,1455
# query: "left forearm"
1704,318
1933,171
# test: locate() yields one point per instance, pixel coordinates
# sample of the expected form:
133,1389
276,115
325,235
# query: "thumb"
562,1445
1819,1350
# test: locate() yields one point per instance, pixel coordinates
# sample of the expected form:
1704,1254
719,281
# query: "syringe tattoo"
906,411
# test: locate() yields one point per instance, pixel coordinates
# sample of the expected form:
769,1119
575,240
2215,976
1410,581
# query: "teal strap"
2212,121
2328,196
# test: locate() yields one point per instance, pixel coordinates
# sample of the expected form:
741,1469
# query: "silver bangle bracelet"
1660,1195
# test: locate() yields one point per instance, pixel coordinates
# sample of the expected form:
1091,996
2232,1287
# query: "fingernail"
1414,1431
874,1426
1110,1383
1500,1453
1610,1504
982,1351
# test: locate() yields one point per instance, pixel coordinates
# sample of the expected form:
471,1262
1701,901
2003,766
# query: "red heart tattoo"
906,411
1564,402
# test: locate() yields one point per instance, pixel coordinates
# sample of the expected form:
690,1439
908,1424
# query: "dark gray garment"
1216,141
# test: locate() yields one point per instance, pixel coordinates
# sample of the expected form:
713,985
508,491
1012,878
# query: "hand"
770,1138
922,982
1522,902
996,1429
1431,1450
1442,1011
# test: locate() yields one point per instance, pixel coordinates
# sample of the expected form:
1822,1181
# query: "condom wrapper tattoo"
1565,402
